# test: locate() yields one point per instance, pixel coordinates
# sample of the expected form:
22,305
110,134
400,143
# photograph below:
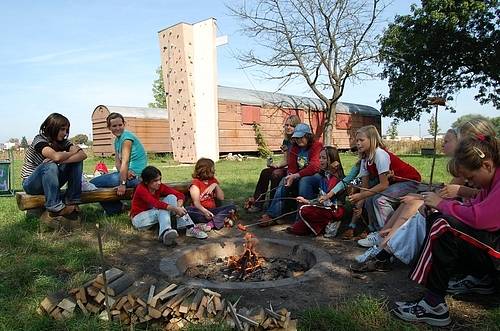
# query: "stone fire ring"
317,261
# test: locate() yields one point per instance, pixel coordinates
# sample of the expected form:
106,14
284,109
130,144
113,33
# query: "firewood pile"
174,306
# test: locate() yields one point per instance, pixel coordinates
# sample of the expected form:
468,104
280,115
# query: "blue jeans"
307,187
379,208
148,218
49,177
112,180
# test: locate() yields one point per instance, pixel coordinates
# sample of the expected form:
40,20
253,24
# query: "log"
209,292
120,285
67,304
236,319
159,295
201,308
151,295
50,302
82,307
247,320
111,275
27,201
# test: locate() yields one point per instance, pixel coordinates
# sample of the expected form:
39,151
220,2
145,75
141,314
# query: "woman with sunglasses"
272,175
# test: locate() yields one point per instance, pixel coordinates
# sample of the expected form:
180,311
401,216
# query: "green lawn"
35,262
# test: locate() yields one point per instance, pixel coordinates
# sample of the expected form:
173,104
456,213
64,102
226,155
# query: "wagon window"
250,114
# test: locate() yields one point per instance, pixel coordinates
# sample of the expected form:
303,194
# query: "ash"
272,268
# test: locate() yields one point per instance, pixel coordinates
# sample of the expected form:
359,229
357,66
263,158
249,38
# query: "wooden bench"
27,201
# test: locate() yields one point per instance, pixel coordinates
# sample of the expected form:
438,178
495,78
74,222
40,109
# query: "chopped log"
171,293
119,303
67,304
151,295
237,321
111,275
159,295
82,307
257,314
217,303
50,302
175,301
120,285
196,300
166,311
57,313
92,308
104,316
154,313
99,298
128,307
201,308
185,304
97,285
207,291
81,295
140,311
92,291
141,302
131,299
275,315
247,320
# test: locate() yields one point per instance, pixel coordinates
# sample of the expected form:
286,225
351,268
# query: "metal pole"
434,154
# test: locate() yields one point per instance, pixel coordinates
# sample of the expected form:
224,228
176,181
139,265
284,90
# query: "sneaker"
471,284
168,237
205,227
370,252
370,265
196,233
371,239
422,312
332,229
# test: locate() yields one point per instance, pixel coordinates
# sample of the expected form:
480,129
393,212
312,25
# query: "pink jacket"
482,213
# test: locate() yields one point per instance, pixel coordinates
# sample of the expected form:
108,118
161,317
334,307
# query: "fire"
249,261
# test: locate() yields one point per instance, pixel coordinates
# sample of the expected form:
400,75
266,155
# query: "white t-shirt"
382,161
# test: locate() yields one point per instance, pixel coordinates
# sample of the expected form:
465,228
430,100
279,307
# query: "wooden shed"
239,108
151,125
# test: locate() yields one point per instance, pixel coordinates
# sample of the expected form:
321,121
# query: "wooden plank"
151,294
82,307
50,302
67,304
197,299
27,201
159,295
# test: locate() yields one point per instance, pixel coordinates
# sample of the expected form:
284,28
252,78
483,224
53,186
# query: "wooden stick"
264,222
108,310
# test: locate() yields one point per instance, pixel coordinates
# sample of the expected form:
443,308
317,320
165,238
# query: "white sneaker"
204,227
332,229
422,312
169,237
370,252
196,233
371,239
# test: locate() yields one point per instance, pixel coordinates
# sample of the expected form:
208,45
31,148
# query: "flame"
249,261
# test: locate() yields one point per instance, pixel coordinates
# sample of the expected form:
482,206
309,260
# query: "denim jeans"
112,180
307,187
379,208
49,177
148,218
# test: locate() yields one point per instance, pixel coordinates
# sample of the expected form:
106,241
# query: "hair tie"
481,137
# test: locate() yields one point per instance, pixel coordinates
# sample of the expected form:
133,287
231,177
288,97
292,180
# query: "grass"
34,262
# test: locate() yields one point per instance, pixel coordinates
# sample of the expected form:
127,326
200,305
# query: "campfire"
247,262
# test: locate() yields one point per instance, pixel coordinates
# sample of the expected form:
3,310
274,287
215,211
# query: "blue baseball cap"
300,130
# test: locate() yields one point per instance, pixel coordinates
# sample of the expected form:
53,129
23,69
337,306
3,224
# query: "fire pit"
226,264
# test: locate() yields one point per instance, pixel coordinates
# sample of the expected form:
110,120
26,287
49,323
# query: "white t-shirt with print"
382,161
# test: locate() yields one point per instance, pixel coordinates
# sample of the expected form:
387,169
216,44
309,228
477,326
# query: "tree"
320,42
159,92
439,49
466,118
433,126
392,130
24,142
79,139
495,121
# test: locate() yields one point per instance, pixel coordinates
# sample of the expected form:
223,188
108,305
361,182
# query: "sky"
71,56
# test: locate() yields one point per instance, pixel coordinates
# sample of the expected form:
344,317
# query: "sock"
383,255
433,299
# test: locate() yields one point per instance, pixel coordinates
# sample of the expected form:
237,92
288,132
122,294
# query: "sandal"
266,220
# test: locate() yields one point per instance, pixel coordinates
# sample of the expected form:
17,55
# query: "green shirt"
138,156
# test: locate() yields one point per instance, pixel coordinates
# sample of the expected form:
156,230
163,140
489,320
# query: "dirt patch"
142,257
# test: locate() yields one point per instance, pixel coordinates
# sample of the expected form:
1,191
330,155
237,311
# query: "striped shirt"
34,156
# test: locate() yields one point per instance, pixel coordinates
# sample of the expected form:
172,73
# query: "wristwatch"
123,182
